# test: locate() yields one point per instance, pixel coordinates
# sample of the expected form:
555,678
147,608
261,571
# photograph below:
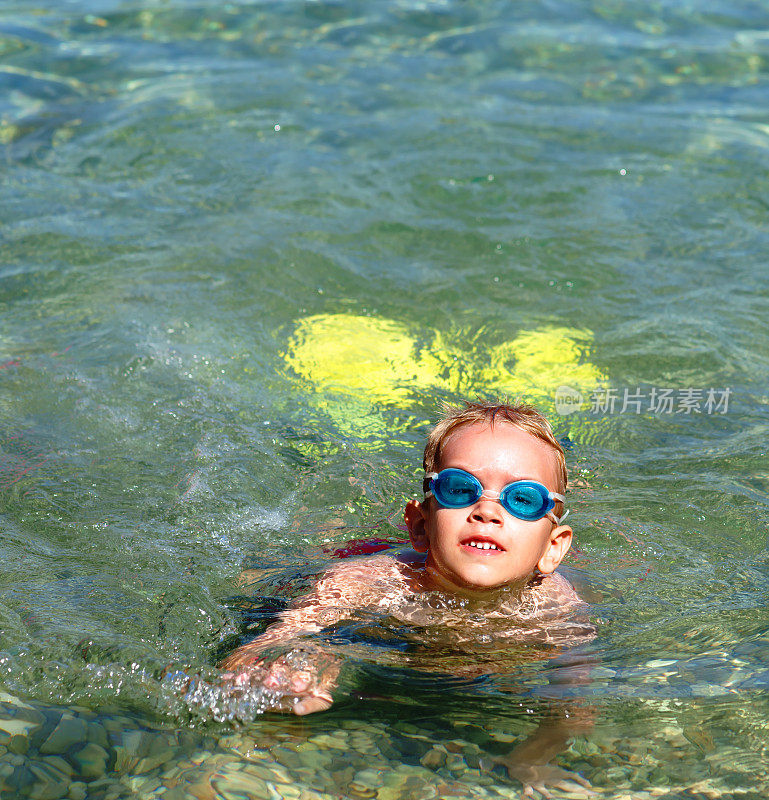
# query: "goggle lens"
455,489
526,500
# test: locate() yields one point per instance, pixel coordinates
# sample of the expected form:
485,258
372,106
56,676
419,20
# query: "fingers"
310,705
276,677
581,786
301,681
303,677
240,660
583,782
279,677
536,790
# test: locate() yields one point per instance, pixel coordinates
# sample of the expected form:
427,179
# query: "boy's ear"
557,546
415,517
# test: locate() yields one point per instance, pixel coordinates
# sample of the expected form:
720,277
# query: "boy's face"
497,456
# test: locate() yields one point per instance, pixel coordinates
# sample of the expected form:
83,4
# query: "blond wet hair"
519,415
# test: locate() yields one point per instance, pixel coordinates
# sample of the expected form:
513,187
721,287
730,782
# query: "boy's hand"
305,676
538,779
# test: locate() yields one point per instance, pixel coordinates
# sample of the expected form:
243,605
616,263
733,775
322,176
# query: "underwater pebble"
91,761
389,793
77,791
362,744
661,662
358,790
707,690
48,783
473,760
602,672
143,784
501,736
198,758
289,792
98,734
84,712
150,762
474,734
68,732
232,782
433,758
29,714
369,777
736,677
175,793
314,758
116,724
339,776
455,762
17,727
128,750
59,764
267,772
18,744
125,760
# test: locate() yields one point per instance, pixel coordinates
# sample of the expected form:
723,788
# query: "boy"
487,537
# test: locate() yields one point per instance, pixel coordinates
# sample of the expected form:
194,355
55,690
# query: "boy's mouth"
481,543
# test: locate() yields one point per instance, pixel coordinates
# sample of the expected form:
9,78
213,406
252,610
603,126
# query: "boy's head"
477,543
520,415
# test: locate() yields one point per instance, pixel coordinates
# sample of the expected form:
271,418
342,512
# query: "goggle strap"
557,520
426,483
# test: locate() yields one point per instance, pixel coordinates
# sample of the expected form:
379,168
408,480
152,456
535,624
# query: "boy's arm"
304,671
292,624
529,761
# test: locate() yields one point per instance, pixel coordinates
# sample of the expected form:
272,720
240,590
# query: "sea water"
246,250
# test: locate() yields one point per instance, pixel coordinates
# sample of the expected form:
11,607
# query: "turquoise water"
185,183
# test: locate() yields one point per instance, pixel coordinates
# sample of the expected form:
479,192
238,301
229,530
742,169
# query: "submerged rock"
16,727
77,791
48,783
69,732
91,761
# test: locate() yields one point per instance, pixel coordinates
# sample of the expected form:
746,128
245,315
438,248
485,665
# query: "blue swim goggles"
526,500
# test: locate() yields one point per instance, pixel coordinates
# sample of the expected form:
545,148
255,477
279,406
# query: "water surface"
185,184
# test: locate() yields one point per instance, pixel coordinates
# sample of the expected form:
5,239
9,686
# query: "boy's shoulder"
556,588
388,570
553,596
361,581
560,615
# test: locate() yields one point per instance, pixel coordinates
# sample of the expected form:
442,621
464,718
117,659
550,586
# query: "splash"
219,701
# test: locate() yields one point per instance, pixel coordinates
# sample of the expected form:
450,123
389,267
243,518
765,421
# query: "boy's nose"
486,510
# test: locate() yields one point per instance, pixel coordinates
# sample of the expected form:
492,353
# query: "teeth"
483,545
